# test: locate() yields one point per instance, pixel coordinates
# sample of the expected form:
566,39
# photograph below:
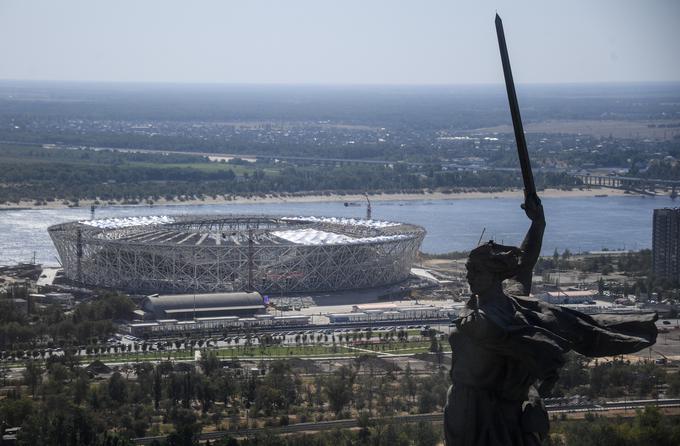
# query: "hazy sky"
339,41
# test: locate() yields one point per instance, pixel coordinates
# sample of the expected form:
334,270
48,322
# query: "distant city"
126,318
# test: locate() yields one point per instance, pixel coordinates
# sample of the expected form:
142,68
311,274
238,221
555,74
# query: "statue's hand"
533,208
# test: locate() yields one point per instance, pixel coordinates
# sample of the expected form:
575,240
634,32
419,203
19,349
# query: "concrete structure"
385,313
568,297
666,243
208,325
214,305
64,300
207,254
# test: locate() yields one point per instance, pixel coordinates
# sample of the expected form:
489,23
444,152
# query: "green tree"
117,388
338,388
209,362
33,373
426,435
157,387
186,428
278,390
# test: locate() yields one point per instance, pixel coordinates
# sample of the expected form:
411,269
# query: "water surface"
578,223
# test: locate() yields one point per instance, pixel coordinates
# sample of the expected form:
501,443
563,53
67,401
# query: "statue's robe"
506,356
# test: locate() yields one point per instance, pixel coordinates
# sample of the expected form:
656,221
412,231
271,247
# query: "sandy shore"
548,193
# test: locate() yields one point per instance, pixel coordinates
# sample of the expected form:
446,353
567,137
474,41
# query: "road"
297,159
47,276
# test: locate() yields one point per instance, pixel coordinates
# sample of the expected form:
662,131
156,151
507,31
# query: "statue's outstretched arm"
531,246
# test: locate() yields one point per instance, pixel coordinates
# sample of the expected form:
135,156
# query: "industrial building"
568,297
389,312
666,244
192,306
208,325
63,300
227,253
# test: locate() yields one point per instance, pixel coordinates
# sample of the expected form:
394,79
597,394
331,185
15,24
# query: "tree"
426,434
364,422
144,372
338,387
226,386
434,344
58,372
673,380
70,425
278,390
32,375
205,391
117,388
81,387
573,373
13,412
409,383
186,428
209,362
157,387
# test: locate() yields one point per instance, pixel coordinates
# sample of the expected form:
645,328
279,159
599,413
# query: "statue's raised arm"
531,246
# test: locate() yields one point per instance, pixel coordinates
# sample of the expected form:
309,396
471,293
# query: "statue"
507,347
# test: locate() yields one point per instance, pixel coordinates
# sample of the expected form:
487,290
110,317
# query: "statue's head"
489,264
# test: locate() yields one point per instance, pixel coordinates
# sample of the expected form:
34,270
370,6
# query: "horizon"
499,84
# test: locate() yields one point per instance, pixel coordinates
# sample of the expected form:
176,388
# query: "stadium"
226,253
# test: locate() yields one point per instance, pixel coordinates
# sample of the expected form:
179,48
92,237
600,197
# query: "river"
574,223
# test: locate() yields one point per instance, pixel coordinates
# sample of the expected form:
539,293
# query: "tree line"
52,327
59,402
74,177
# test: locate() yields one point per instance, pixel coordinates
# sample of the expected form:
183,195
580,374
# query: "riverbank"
351,199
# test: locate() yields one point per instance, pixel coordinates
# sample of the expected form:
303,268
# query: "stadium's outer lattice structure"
269,254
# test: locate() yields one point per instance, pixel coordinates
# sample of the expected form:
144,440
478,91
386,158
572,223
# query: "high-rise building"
666,244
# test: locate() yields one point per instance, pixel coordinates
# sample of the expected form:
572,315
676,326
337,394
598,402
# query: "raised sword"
522,152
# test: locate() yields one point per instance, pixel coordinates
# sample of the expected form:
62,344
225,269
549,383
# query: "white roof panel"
125,222
311,236
344,221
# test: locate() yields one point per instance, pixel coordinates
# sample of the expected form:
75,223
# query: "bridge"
634,184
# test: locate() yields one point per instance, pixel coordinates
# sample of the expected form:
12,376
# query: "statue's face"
480,280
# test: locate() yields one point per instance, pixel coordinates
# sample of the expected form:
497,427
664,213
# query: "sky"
414,42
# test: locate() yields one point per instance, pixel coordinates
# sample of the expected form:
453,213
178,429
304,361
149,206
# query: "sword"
522,152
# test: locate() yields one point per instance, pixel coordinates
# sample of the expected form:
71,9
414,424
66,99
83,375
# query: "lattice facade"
236,253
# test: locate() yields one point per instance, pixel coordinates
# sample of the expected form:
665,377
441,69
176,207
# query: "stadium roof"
234,230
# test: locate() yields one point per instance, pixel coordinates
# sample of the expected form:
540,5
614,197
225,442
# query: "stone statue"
508,347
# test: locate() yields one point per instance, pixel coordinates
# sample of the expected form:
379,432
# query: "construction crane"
368,206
